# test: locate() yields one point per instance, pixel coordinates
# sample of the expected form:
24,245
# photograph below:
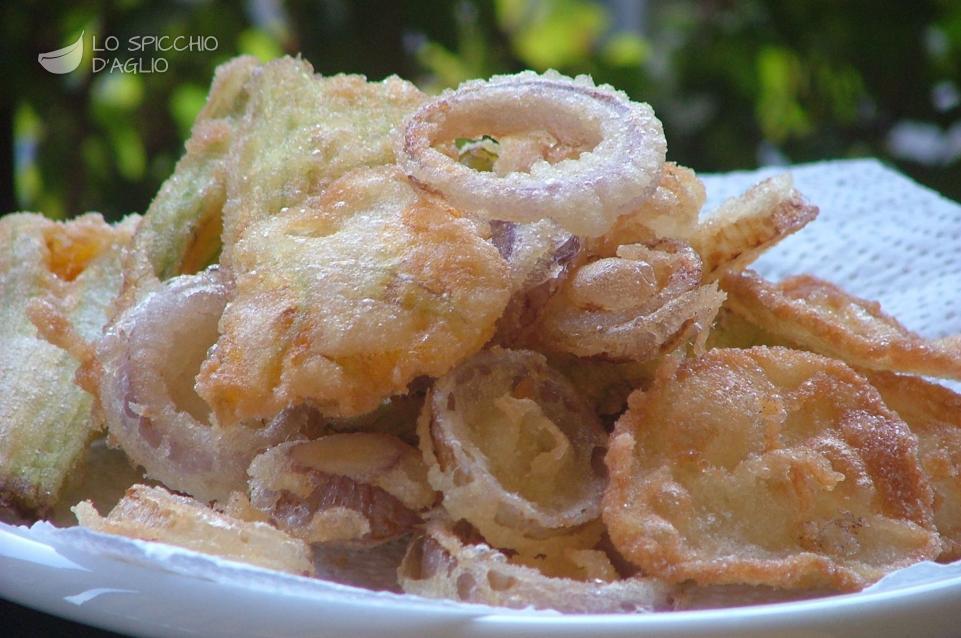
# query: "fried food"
147,396
61,276
154,514
746,226
515,452
933,413
670,213
180,233
298,133
766,466
817,315
438,564
396,416
642,303
339,272
691,596
345,301
539,257
605,385
362,487
622,146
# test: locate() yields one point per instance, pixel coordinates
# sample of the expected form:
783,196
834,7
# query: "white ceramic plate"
148,589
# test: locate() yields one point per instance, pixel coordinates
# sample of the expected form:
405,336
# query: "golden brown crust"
819,316
438,564
345,301
154,514
933,413
515,451
746,226
766,466
361,487
645,302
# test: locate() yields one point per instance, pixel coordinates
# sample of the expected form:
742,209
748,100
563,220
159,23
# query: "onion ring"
515,451
361,488
539,256
645,302
585,195
439,564
149,357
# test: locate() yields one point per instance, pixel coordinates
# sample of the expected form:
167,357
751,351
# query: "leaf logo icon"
63,60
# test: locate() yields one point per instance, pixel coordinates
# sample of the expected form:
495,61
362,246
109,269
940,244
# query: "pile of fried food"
479,346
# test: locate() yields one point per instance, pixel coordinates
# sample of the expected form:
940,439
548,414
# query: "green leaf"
118,91
185,102
780,82
130,154
259,44
27,178
625,49
552,34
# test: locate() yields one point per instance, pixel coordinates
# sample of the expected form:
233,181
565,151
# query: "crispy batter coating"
362,487
60,278
180,233
933,413
299,132
344,301
819,316
539,257
605,385
515,451
154,514
767,466
670,213
642,303
146,391
439,564
747,225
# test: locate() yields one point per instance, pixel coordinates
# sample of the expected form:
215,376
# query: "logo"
63,60
142,53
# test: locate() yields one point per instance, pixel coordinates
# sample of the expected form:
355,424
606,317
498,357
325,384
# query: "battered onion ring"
149,357
516,451
643,303
539,256
361,488
439,564
620,167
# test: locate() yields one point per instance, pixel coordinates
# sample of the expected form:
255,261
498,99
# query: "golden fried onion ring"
515,450
149,357
819,316
439,564
766,466
670,213
620,166
361,487
539,257
642,303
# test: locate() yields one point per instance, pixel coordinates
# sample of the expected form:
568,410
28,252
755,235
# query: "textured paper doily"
879,235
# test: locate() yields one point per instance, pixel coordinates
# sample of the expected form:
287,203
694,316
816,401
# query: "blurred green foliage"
735,83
